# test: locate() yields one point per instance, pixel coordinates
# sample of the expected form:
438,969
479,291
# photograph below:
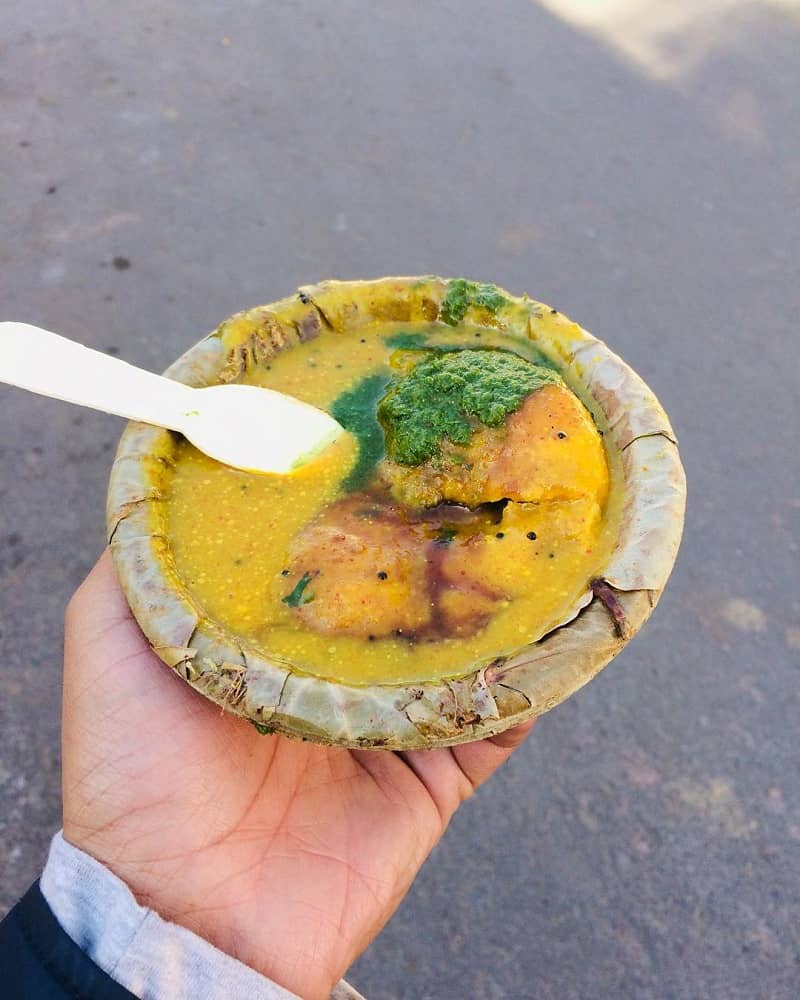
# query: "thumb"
98,609
107,659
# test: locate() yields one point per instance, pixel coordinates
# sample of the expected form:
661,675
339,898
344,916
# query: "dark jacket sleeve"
40,961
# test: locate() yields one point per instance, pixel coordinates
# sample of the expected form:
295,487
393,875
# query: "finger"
480,760
451,775
512,738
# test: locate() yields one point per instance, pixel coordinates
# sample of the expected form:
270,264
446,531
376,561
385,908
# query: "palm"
287,855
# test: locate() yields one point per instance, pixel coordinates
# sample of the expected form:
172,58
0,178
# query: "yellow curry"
429,539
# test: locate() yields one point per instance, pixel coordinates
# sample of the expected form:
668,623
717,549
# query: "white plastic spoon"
241,425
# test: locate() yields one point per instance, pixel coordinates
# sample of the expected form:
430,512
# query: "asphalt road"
164,165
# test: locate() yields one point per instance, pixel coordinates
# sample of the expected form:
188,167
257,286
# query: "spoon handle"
44,362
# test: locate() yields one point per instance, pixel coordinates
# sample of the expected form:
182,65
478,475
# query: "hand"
286,855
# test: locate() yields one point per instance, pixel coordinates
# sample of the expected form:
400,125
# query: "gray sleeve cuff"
150,957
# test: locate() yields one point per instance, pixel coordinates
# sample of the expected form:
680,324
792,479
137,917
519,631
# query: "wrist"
276,937
132,944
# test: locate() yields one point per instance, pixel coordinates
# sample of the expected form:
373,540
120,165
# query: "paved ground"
164,165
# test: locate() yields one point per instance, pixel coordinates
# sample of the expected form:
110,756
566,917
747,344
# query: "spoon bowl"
245,426
235,424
